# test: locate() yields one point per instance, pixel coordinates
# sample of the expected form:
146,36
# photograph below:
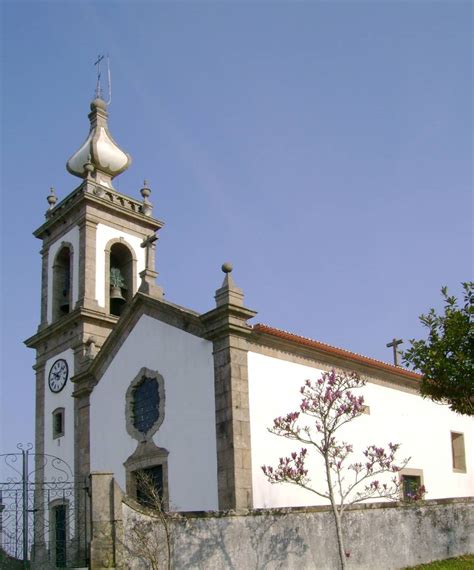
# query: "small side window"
58,423
412,485
149,485
459,456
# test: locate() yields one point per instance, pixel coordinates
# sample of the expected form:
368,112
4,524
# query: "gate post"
105,497
25,501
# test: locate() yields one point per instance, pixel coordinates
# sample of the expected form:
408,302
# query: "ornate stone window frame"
145,456
131,429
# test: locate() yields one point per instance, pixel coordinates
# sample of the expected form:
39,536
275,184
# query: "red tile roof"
328,349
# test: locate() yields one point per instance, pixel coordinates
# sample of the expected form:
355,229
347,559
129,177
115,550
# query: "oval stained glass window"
145,404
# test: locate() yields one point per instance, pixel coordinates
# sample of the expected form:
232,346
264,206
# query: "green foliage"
461,563
116,278
446,358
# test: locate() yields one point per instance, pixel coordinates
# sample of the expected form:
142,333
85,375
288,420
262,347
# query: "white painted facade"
421,426
103,236
72,237
188,430
62,447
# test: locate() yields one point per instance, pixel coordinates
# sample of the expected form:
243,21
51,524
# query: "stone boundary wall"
379,536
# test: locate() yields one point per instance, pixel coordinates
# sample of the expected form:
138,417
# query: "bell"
64,303
116,294
117,300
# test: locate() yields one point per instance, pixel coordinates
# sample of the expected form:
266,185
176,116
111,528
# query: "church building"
127,381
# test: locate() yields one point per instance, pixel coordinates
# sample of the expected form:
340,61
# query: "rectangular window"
457,448
149,484
411,484
58,423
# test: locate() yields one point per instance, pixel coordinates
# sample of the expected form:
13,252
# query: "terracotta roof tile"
327,348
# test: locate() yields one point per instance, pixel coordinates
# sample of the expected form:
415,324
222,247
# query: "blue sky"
324,148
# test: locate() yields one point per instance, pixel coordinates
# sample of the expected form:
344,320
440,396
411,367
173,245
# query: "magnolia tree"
326,406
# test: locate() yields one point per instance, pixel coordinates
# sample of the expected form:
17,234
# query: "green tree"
446,358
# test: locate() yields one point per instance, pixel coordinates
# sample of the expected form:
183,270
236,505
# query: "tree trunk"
337,517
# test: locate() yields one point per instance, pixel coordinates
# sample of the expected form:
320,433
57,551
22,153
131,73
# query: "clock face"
58,375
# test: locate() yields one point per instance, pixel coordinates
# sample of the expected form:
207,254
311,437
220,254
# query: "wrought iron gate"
43,512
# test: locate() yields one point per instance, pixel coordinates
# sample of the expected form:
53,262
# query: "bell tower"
98,250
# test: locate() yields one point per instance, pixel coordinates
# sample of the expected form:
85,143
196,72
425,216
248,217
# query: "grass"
461,563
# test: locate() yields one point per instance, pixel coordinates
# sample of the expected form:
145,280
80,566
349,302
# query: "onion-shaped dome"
99,156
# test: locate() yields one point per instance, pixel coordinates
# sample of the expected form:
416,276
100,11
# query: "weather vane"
98,88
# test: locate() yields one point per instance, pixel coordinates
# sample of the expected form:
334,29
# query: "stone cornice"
83,385
227,319
289,344
64,323
111,200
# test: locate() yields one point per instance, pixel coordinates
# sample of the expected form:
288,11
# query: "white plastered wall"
421,426
188,431
103,236
62,447
72,237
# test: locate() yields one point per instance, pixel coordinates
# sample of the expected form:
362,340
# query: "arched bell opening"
121,270
62,282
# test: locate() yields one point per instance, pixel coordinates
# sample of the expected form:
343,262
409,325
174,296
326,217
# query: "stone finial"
147,205
229,293
52,198
145,191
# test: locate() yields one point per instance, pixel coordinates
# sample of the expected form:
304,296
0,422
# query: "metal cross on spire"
98,87
395,342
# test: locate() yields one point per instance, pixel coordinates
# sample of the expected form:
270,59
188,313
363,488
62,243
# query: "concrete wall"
396,415
188,431
377,536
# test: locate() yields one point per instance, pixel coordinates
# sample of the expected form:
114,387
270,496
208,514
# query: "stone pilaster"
44,287
39,550
87,265
228,329
39,421
106,523
82,434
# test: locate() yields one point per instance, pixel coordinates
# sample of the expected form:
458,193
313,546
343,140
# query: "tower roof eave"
111,200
